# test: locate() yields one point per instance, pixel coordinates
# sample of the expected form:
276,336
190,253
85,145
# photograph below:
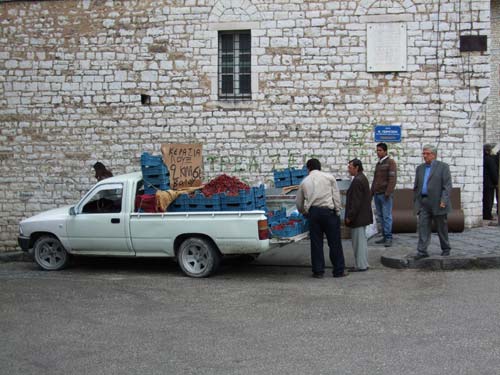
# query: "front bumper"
24,243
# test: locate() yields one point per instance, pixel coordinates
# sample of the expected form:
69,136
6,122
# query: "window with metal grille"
235,65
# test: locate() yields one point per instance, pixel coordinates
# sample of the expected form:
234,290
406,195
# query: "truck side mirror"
72,211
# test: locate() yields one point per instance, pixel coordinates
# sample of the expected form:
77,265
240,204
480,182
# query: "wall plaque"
386,47
387,133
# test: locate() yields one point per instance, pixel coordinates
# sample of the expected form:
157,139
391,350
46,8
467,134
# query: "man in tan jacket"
318,198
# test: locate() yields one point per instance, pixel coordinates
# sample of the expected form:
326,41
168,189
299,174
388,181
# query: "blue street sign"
387,133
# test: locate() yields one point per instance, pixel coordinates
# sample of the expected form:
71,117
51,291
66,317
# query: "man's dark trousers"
323,220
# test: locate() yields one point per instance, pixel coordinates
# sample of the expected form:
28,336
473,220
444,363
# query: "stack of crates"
289,229
282,178
289,177
282,226
297,175
259,194
301,220
154,173
276,217
244,201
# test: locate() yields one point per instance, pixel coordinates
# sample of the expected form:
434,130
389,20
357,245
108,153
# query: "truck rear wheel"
198,257
50,254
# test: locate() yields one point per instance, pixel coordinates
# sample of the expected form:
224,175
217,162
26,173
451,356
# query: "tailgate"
283,241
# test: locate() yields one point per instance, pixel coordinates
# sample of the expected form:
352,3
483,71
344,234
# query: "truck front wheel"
50,254
198,257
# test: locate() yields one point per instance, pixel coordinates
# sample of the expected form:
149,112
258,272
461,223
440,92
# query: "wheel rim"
196,259
51,254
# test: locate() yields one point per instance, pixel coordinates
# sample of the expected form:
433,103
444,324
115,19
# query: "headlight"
21,230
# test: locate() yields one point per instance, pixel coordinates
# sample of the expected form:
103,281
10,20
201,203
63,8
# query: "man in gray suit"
431,198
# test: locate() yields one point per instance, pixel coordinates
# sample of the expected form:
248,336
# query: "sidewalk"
473,248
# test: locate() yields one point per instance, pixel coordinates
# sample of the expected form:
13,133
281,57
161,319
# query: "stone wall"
492,131
72,75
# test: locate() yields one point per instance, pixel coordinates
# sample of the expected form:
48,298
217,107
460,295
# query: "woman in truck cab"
101,172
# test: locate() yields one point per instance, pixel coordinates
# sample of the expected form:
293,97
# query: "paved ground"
143,316
133,316
473,248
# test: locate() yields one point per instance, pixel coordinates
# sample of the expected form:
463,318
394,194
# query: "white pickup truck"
105,222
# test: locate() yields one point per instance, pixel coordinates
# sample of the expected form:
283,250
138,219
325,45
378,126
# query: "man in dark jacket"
431,198
358,214
490,181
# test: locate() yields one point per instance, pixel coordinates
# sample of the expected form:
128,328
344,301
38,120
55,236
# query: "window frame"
98,190
237,64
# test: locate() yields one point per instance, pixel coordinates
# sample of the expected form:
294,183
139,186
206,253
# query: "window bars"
235,65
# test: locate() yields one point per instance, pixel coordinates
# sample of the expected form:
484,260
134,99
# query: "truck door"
98,227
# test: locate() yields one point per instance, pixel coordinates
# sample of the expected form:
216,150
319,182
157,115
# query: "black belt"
323,208
424,195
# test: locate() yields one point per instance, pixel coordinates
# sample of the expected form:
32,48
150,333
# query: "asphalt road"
105,316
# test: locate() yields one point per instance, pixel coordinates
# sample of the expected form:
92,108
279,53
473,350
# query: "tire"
198,257
50,254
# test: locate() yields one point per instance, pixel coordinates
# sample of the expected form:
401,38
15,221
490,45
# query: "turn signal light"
263,231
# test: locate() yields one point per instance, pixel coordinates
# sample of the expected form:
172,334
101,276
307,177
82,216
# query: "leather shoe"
317,275
445,253
343,274
381,241
420,256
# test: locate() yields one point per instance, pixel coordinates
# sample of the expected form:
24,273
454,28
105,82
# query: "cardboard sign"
185,164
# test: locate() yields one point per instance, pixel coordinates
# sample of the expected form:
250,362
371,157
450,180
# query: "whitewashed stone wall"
492,131
72,72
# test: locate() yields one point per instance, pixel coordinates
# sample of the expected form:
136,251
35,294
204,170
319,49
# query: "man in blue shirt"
432,190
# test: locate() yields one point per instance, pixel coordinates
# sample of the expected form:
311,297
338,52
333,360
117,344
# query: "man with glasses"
432,190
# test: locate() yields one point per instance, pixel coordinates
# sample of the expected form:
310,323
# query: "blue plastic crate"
152,189
159,170
201,203
276,216
289,230
260,203
243,202
259,194
259,191
154,173
272,221
156,181
278,213
282,178
298,175
152,186
148,160
179,205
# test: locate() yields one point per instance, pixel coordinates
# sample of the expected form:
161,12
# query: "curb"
439,263
15,256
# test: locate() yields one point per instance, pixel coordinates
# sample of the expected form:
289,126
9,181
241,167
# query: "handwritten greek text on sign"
185,164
